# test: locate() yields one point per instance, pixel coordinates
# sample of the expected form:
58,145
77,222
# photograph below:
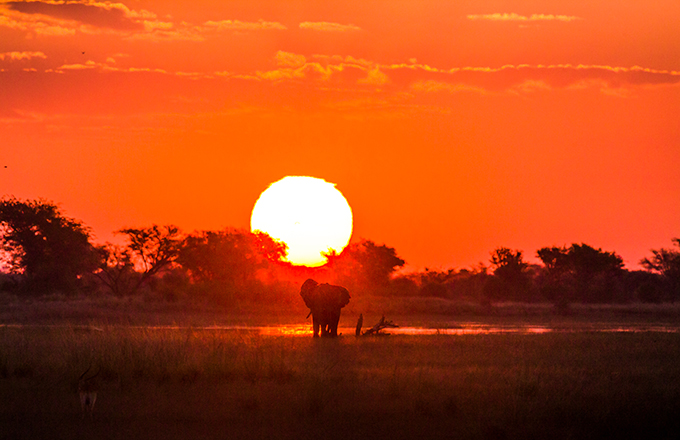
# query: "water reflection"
457,329
464,329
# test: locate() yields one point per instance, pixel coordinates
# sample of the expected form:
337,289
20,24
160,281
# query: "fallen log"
376,330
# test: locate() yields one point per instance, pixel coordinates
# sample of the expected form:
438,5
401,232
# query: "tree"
435,283
510,279
116,269
365,265
230,256
666,262
557,281
154,250
580,273
51,252
597,273
555,259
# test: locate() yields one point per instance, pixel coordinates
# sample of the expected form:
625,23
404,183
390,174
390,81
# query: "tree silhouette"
154,248
596,272
580,273
557,283
667,263
365,265
230,256
510,279
51,251
116,269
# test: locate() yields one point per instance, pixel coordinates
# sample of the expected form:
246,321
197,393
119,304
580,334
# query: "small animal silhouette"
87,389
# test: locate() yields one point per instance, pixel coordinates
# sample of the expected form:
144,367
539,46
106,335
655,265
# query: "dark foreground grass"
176,384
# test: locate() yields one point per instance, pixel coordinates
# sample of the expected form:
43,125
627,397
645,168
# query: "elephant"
324,302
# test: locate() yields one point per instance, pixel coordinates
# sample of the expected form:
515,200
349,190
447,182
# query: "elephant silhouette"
325,302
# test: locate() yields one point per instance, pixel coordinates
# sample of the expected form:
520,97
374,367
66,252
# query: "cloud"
524,79
61,18
289,59
375,77
80,66
337,59
281,74
243,25
431,86
38,24
109,66
167,31
98,14
346,72
516,17
14,56
323,68
530,86
325,26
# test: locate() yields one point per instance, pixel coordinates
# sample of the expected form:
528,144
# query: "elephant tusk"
310,313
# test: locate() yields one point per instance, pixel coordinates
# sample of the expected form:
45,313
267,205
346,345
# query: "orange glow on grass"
308,214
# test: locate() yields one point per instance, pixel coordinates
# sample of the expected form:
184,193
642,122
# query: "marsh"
216,383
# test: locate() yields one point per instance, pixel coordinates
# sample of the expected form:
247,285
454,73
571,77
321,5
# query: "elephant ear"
308,293
342,296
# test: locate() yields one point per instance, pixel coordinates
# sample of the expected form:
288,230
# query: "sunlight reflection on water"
465,329
451,330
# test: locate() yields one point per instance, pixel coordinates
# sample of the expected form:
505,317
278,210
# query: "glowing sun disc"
308,214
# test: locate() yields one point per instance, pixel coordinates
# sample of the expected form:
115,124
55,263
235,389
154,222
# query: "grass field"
191,383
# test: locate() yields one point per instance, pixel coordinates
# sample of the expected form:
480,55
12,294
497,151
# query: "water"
477,329
452,329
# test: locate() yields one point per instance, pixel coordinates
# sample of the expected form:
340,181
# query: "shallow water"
476,329
453,329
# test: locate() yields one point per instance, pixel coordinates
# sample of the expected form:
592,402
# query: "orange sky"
452,127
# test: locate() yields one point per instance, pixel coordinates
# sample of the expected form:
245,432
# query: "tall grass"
190,383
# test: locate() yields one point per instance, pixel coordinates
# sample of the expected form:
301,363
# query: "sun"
308,214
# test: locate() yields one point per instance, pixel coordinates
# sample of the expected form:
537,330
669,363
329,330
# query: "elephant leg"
322,320
333,323
315,325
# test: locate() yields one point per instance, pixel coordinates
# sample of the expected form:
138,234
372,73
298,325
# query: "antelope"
87,389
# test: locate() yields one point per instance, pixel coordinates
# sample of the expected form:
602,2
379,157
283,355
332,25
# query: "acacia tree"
153,250
667,263
116,269
50,251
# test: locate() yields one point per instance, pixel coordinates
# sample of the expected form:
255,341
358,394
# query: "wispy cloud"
14,56
97,14
432,86
323,68
525,79
374,77
349,72
243,25
80,66
517,17
36,24
289,59
325,26
63,18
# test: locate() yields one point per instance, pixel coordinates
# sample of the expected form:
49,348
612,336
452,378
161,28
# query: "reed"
192,383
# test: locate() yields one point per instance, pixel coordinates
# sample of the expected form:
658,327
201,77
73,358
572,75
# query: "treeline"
47,253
